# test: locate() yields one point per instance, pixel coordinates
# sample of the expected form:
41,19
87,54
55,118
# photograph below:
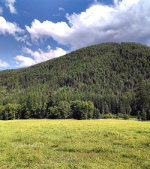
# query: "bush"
107,116
65,110
82,110
126,117
114,116
96,114
9,112
1,112
53,113
123,116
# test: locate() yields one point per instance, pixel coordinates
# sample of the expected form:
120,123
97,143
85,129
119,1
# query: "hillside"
106,74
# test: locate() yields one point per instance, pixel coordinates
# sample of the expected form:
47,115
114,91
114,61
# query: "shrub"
82,109
123,116
96,114
126,117
107,116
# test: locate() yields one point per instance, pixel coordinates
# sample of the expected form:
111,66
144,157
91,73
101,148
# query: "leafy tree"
53,113
96,113
24,111
82,110
10,111
1,112
65,110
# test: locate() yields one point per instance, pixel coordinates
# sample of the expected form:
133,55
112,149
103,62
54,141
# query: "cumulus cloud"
125,20
38,56
10,5
48,28
3,64
9,28
23,61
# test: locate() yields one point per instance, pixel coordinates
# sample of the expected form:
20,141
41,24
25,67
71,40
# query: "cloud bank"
38,56
125,20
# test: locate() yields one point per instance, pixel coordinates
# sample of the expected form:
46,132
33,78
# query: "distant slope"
107,66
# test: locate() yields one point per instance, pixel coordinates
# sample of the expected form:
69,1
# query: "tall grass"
45,144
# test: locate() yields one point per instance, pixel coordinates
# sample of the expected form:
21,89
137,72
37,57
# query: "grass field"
93,144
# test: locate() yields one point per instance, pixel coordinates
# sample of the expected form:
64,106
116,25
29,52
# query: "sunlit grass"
92,144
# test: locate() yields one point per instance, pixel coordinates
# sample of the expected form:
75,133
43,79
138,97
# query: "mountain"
106,74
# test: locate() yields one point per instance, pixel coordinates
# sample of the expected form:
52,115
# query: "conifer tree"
142,99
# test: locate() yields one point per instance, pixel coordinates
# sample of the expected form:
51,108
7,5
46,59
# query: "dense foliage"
106,75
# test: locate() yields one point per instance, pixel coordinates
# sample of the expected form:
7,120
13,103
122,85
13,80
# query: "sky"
34,31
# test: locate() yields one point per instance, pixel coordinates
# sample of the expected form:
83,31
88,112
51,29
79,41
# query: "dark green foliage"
25,113
1,112
53,113
60,111
126,117
122,116
82,110
107,116
96,113
9,112
105,74
65,110
142,96
115,116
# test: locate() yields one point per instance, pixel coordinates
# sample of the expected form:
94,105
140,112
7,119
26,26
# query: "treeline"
65,104
76,109
79,110
105,75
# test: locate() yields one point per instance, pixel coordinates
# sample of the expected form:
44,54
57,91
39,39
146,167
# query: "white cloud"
3,64
38,56
9,28
10,5
48,28
24,61
126,20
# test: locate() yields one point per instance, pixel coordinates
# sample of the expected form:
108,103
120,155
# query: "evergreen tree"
142,99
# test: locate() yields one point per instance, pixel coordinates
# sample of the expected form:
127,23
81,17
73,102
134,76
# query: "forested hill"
108,67
105,74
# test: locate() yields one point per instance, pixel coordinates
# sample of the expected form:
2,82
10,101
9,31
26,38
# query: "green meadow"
92,144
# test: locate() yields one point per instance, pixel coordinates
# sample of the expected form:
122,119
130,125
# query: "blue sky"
33,31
